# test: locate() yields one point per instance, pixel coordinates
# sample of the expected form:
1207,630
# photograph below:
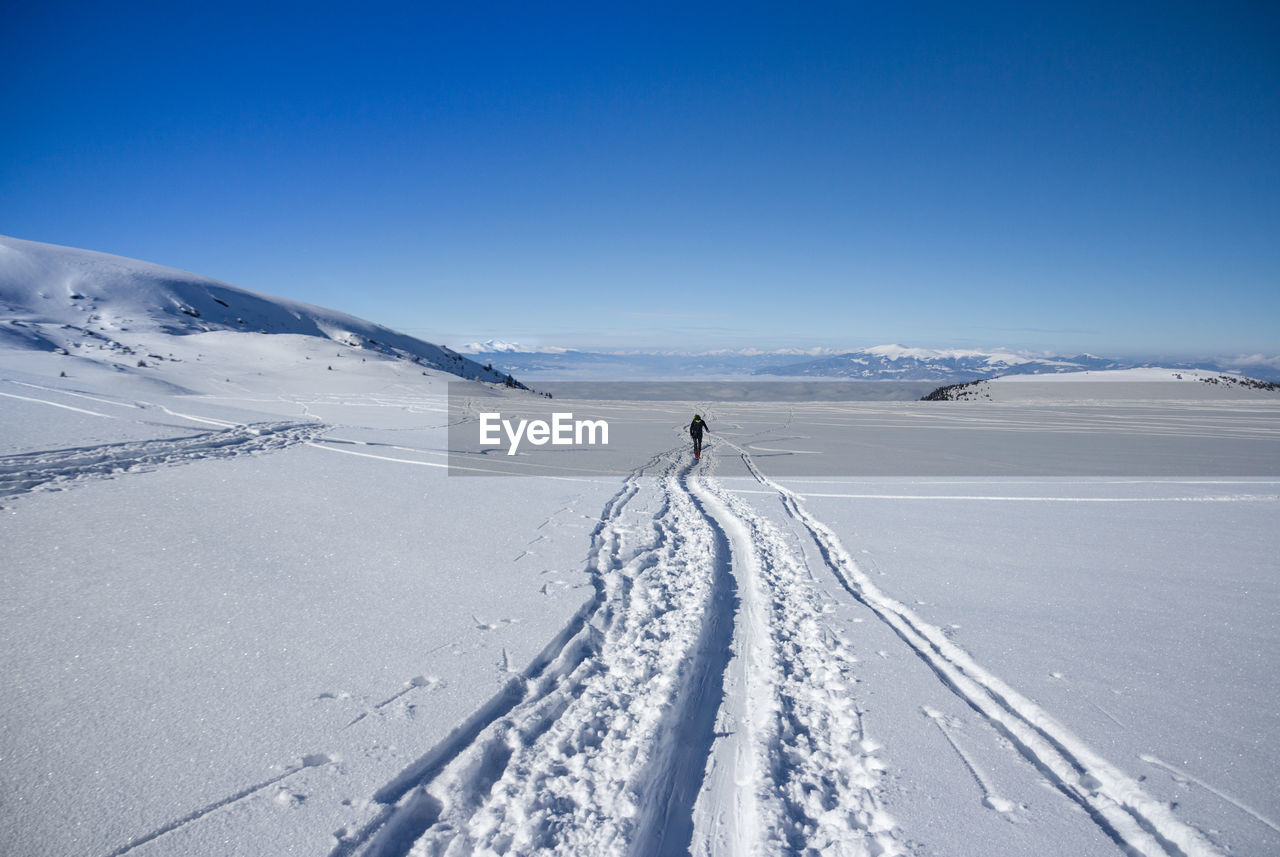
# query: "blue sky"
1101,177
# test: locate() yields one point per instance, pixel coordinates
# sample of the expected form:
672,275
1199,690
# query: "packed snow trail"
585,758
698,704
802,749
1117,803
462,768
61,468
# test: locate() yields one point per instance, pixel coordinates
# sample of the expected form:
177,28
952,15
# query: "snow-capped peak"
899,352
501,346
493,346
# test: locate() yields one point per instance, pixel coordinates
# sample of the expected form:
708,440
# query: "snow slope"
107,308
199,584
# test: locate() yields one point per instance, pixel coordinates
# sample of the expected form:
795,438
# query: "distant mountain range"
879,363
894,362
898,363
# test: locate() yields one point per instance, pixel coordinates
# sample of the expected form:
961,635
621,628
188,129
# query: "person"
696,428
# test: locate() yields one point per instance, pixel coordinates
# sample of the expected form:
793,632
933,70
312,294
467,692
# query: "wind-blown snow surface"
109,309
241,623
223,636
1116,385
247,611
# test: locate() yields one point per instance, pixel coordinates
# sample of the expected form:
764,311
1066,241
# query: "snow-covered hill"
1144,383
133,315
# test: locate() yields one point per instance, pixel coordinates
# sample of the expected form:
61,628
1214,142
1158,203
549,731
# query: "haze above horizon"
694,176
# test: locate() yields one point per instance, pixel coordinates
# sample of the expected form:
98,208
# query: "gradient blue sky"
1101,177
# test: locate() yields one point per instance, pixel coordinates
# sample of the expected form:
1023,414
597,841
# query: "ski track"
1117,803
311,761
589,750
990,799
465,764
608,743
1230,498
54,470
813,768
1183,775
56,405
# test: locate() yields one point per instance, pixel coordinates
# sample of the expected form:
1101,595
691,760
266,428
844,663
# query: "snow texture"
248,611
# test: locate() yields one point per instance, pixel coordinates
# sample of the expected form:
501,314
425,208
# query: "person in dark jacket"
696,428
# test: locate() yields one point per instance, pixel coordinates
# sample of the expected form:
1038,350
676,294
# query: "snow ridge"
1138,823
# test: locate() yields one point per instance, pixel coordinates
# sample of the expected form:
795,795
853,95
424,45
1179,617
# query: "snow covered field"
247,610
235,640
